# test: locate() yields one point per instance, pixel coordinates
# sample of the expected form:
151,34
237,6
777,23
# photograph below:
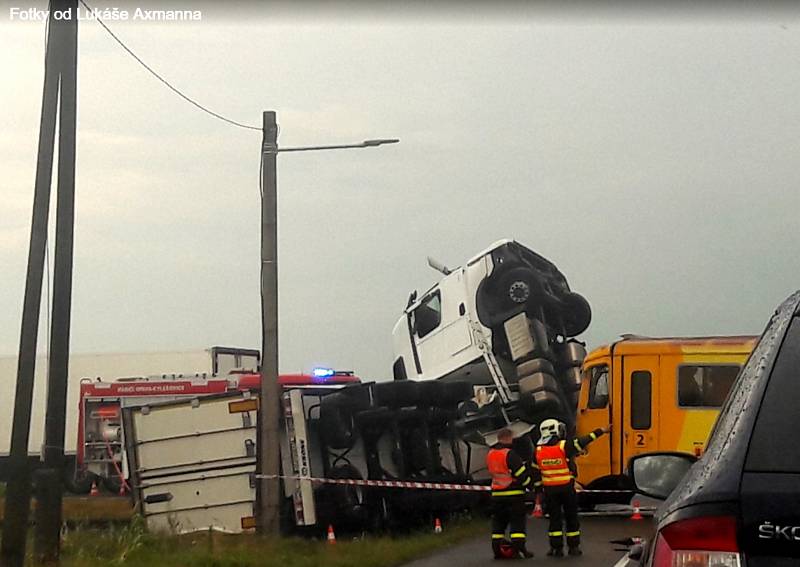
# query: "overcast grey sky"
652,156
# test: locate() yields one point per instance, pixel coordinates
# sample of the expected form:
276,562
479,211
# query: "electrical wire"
48,297
163,80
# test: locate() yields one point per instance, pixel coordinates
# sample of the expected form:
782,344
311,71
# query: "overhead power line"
167,83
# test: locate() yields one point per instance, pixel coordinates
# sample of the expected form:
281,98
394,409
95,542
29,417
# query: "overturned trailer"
192,461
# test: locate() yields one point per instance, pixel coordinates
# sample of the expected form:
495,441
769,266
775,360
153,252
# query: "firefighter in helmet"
555,459
510,479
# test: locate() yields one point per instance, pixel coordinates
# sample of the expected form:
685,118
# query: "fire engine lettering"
151,388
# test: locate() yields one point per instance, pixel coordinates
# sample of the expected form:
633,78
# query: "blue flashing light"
323,372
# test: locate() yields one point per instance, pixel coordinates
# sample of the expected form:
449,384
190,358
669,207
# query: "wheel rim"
519,291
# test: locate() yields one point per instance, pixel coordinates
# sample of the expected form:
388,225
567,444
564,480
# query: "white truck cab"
505,316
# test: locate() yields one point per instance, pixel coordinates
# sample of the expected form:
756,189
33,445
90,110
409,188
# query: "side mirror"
657,474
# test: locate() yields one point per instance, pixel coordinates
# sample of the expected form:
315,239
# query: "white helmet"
550,428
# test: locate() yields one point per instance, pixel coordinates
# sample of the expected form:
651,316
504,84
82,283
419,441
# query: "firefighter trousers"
561,503
508,512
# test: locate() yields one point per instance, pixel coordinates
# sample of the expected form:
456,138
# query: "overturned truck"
504,322
490,346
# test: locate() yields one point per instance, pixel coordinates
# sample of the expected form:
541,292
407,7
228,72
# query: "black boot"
522,551
496,543
555,552
575,550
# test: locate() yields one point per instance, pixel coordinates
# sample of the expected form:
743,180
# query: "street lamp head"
379,142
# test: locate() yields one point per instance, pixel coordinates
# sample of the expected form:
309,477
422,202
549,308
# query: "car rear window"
774,446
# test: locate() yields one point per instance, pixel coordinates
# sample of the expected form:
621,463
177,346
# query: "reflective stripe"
517,536
526,482
507,492
557,480
519,471
498,536
555,472
555,534
573,534
577,445
593,435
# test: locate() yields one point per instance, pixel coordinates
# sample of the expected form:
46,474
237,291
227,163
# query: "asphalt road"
595,534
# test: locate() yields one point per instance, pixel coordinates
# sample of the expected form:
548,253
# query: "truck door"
640,414
595,412
440,329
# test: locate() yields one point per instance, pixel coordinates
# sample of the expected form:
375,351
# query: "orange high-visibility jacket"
553,464
510,475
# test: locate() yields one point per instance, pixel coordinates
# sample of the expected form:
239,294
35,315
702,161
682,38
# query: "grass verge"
132,546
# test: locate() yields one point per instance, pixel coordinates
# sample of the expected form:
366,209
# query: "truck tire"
450,394
376,418
336,421
403,393
79,482
572,353
541,403
533,366
577,315
112,484
349,499
572,379
358,397
537,383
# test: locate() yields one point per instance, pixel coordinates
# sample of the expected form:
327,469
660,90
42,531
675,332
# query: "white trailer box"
193,462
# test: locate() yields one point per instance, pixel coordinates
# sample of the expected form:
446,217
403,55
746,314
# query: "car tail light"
698,542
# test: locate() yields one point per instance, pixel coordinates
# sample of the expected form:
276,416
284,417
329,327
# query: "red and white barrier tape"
412,485
386,483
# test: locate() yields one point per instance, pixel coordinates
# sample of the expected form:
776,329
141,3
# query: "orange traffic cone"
94,491
437,526
538,512
331,535
636,512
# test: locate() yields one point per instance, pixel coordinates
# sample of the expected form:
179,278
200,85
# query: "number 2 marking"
640,440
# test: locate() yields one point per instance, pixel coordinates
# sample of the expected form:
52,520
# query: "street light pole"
268,457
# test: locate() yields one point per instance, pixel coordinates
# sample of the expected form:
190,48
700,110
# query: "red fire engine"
101,457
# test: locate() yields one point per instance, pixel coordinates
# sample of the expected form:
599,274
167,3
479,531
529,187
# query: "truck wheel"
572,379
572,353
517,286
450,394
336,421
541,403
403,393
112,484
79,481
578,314
349,499
537,383
533,366
357,397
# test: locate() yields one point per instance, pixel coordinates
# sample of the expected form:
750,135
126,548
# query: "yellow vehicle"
658,394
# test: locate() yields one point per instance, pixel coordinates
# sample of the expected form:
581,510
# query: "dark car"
739,505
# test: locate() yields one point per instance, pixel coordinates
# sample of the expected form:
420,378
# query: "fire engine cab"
101,457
